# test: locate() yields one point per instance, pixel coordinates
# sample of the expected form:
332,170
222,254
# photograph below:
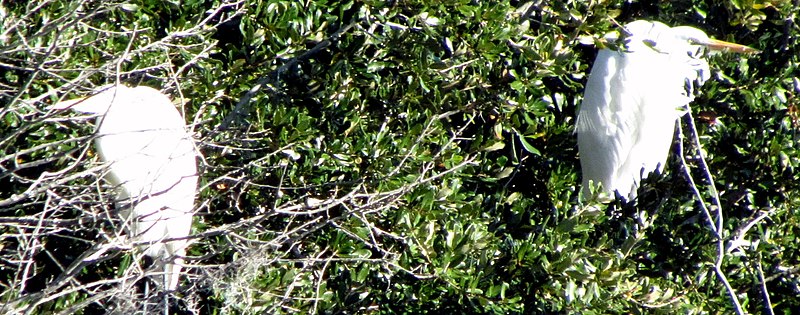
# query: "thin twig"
718,227
764,290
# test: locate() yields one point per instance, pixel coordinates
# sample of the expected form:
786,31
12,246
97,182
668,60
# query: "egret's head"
643,34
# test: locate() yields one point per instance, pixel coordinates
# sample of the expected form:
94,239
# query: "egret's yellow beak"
718,45
89,106
67,104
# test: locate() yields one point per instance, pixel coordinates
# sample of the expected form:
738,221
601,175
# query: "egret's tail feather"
172,273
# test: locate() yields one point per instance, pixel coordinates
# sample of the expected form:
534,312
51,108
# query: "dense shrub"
396,157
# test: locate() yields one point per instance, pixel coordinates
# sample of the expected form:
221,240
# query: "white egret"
633,98
151,163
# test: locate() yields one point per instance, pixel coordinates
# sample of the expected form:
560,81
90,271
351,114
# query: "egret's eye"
697,53
619,44
652,44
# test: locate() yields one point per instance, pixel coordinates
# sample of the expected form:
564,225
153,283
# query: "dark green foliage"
419,161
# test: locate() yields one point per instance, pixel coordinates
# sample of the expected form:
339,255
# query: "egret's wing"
624,130
606,123
144,140
668,90
647,114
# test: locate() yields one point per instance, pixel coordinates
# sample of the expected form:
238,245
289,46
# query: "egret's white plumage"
633,98
151,163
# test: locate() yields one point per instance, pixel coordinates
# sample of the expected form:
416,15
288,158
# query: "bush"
395,157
